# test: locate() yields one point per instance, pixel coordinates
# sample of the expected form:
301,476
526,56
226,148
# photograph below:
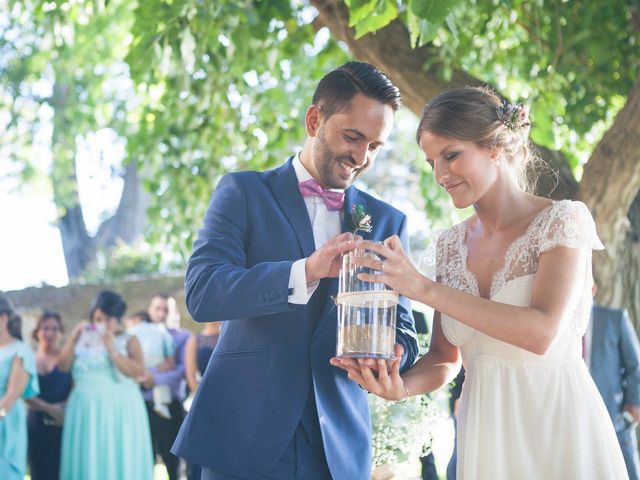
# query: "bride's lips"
450,186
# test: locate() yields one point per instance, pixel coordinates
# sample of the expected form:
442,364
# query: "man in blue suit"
613,358
270,406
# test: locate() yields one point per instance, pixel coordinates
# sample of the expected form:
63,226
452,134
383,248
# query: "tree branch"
390,49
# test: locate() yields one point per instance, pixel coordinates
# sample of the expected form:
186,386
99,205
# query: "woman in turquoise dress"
106,430
18,380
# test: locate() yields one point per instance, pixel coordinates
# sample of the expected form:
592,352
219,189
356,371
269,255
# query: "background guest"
158,350
18,379
198,352
165,430
106,430
455,389
46,412
612,353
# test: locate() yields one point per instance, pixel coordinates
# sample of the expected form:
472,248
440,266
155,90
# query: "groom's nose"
360,154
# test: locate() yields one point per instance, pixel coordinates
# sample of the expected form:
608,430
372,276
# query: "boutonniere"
360,220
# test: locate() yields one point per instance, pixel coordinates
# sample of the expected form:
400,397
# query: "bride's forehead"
433,144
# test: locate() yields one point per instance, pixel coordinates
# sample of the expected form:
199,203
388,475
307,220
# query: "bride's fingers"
368,262
398,350
394,243
375,247
357,377
376,278
368,376
383,375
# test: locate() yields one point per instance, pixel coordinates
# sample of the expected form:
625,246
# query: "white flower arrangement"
401,431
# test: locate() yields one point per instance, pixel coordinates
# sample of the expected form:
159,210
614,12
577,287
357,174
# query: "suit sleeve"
630,358
218,284
405,326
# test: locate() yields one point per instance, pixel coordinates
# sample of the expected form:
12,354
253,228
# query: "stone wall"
73,301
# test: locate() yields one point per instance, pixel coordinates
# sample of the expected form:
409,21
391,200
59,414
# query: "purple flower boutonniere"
360,220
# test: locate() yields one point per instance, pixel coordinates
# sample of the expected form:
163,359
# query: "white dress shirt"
326,225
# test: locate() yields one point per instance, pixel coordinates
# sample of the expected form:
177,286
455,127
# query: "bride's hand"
376,376
397,271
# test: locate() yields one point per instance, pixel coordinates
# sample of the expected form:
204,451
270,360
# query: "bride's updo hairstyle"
479,115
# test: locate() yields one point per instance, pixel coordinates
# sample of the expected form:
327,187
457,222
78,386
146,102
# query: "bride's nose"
440,172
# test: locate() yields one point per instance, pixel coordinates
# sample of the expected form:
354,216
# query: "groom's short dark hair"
338,87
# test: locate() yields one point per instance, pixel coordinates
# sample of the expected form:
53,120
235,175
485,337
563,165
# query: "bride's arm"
556,291
438,367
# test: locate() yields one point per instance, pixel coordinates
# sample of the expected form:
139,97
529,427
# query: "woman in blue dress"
18,380
106,429
46,411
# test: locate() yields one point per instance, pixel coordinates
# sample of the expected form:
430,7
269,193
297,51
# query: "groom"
270,406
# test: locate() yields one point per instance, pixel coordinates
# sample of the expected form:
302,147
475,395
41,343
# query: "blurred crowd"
106,403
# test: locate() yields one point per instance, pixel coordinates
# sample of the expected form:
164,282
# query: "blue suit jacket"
270,352
615,361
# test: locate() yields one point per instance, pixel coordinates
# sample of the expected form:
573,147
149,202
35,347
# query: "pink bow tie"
311,188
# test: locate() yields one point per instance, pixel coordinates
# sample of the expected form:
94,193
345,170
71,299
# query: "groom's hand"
327,260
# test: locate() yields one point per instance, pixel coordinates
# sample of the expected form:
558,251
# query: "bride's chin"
461,203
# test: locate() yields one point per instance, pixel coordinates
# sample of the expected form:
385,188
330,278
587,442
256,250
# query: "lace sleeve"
570,224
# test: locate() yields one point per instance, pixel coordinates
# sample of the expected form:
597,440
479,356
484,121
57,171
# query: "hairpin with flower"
514,116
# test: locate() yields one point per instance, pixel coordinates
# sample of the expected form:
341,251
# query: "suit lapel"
284,185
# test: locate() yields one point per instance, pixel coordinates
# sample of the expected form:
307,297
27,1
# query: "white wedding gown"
525,416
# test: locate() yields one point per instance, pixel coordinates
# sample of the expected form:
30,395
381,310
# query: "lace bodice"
563,223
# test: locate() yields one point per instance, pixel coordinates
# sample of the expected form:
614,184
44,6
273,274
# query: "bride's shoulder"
568,223
567,211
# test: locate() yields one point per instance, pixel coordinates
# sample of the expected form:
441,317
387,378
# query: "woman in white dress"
512,299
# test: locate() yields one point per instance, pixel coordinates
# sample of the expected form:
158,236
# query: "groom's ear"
312,120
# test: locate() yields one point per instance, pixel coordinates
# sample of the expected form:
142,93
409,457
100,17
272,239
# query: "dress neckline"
509,252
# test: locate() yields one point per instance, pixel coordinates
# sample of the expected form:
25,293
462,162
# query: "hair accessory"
514,116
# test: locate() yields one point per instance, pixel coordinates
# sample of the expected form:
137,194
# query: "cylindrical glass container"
366,312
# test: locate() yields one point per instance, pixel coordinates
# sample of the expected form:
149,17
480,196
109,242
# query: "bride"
512,300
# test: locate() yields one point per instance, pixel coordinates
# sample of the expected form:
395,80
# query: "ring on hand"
382,265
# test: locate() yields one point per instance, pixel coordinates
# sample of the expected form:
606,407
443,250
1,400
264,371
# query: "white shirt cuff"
300,291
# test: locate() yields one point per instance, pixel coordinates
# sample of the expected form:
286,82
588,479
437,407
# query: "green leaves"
370,15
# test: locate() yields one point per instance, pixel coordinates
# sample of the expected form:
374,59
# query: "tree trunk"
609,187
126,224
611,177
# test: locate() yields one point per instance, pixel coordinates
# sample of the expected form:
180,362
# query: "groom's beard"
326,162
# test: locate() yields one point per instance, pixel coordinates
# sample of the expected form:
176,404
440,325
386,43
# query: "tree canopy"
198,88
